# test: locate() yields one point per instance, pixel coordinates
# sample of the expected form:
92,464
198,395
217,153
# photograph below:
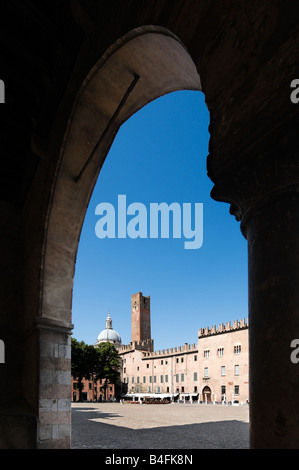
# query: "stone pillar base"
54,430
18,427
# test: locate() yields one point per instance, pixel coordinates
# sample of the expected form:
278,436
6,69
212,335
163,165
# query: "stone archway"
247,59
140,67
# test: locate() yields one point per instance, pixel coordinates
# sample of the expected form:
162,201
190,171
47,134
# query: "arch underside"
162,65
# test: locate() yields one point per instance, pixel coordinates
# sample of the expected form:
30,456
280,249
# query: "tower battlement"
223,328
173,351
144,345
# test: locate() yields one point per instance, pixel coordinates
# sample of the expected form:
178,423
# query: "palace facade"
213,370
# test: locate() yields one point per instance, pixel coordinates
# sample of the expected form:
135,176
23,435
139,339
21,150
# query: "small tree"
102,362
108,364
82,363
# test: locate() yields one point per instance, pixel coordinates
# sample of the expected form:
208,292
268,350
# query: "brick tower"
141,317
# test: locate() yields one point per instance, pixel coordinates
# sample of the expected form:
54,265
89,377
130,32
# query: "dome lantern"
109,334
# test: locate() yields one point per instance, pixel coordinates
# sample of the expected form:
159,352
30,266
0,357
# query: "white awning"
150,395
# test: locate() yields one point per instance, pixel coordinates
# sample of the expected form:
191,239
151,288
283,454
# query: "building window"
144,379
236,369
206,372
182,377
177,378
177,360
182,389
155,379
132,380
158,389
237,349
149,389
182,359
124,370
161,379
138,380
220,351
147,366
195,376
195,358
237,390
223,390
150,379
206,353
222,370
162,362
166,378
195,389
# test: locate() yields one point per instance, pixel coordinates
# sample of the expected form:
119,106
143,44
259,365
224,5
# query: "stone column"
54,415
264,196
273,255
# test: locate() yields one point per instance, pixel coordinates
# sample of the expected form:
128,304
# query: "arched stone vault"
163,65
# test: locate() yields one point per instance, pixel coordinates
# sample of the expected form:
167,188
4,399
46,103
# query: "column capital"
48,324
258,176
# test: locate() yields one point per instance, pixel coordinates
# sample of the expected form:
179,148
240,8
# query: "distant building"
213,370
93,390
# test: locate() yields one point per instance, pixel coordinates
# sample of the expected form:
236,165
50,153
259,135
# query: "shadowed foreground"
116,426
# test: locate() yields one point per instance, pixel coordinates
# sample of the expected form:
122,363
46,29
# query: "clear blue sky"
159,155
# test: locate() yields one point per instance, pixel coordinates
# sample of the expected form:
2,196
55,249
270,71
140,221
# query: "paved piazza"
172,426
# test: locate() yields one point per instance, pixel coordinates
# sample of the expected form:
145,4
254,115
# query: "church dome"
109,334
